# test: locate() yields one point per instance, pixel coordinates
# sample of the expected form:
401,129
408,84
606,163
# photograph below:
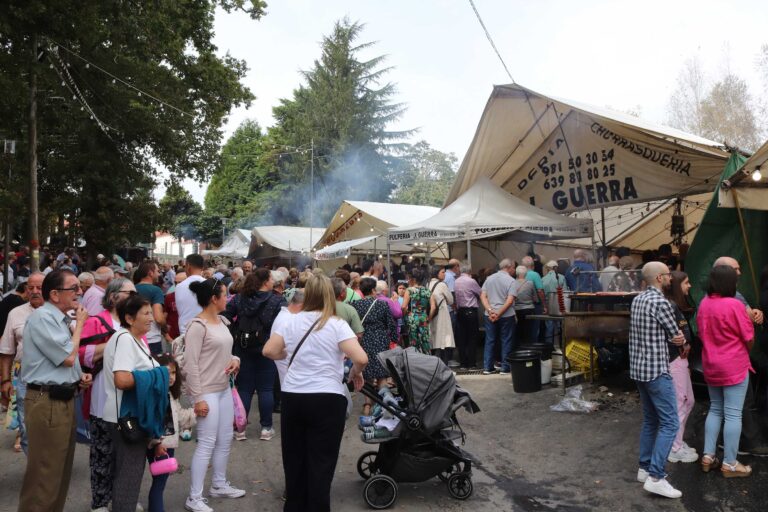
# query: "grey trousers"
130,460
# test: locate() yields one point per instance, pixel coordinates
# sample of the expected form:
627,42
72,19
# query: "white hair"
85,277
521,270
505,263
103,274
381,286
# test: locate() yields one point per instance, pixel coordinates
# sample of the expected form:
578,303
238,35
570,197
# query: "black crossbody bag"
128,426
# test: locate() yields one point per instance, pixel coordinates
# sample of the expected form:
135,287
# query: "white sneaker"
690,449
226,491
642,475
662,488
240,436
197,505
267,434
682,456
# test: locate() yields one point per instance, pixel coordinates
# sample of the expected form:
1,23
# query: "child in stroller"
417,431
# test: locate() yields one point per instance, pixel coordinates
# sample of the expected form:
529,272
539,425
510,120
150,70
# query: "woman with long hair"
416,304
208,364
309,348
677,295
252,311
727,335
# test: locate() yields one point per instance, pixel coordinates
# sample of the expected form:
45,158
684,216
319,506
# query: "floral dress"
379,329
418,324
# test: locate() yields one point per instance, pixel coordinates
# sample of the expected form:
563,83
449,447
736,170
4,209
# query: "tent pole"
389,267
469,252
602,224
746,245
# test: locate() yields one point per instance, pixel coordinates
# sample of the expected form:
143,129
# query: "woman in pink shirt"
727,335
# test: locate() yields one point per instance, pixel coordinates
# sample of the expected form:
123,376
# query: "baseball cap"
117,269
551,264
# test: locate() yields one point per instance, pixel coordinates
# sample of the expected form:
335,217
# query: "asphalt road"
531,459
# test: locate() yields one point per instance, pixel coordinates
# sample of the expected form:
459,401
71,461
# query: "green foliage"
248,168
179,213
426,176
100,180
345,107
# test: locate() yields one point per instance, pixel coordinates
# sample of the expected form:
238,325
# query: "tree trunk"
34,241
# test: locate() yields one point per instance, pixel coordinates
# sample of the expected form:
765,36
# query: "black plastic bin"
545,349
526,371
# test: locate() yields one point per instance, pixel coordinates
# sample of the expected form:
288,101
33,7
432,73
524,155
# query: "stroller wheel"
366,465
460,486
380,492
447,472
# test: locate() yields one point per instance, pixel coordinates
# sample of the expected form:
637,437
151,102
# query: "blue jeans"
21,392
728,399
660,423
503,329
257,373
158,484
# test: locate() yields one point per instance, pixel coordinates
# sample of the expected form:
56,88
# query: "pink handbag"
241,420
163,466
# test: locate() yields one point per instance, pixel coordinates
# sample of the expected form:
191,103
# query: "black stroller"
424,443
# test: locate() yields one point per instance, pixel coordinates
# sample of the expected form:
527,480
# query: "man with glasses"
11,347
51,371
652,328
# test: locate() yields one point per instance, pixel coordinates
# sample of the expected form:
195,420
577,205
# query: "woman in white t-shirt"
124,354
97,331
313,401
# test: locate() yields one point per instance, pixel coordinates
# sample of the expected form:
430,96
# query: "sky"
619,54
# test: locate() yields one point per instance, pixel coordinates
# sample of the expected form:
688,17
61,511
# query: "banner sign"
608,165
474,233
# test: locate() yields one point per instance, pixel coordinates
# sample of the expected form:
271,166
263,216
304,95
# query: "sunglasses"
73,289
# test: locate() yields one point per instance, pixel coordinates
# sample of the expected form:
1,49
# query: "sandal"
709,462
735,470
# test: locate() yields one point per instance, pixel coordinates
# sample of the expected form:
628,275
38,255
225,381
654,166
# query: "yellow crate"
577,352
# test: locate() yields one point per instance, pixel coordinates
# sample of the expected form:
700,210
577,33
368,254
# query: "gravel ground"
530,459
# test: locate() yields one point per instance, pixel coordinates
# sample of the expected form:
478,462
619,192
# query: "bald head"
527,262
656,274
103,276
727,261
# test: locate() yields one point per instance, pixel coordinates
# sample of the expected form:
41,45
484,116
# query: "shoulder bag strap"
369,310
303,339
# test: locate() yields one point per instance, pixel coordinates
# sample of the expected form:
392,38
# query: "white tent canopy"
287,238
364,224
565,156
235,246
340,249
486,211
742,187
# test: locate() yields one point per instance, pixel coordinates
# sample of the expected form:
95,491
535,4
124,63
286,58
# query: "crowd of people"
659,345
133,359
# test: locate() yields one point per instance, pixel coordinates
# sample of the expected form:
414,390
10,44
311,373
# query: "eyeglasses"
73,289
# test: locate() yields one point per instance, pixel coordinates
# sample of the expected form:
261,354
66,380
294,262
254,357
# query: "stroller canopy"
427,384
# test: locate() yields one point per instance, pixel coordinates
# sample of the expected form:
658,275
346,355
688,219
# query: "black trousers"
311,428
468,327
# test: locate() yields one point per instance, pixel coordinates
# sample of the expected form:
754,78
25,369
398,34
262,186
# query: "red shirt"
724,329
172,318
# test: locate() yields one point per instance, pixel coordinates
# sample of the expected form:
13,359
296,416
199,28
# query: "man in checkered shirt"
652,328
